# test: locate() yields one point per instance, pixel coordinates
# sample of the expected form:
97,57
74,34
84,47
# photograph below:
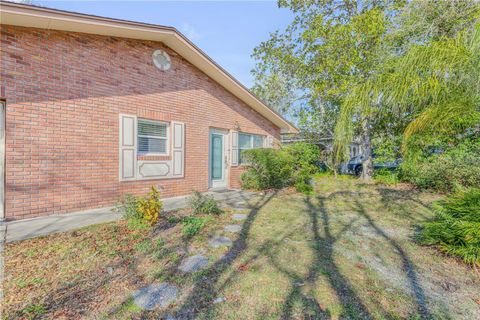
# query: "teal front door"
217,159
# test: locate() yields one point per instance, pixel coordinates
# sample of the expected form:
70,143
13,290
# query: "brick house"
93,108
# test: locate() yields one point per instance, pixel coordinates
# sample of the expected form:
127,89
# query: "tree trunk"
367,165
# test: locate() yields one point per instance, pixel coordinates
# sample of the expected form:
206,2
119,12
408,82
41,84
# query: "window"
248,141
152,137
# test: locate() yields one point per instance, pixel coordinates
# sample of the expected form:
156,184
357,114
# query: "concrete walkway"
31,228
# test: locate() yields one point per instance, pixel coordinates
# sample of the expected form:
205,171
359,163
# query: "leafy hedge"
458,166
278,168
456,229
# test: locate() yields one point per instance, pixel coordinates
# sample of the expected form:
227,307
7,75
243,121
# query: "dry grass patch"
348,251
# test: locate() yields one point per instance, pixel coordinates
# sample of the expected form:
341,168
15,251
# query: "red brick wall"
64,92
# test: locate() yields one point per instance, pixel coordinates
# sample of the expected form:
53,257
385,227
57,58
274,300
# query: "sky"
227,31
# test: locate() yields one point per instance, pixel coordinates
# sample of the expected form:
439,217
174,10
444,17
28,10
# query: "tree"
330,47
428,79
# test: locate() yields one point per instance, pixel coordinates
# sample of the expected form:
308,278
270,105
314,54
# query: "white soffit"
44,18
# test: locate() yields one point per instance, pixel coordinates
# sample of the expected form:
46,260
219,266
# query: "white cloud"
190,32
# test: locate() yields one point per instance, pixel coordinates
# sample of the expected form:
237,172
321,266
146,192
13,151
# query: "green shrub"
203,204
192,226
385,176
303,178
458,166
277,168
146,208
456,229
306,157
127,206
267,169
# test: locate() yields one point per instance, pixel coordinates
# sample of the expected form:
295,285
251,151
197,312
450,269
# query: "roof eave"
45,18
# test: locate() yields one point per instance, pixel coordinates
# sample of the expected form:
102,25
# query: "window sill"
152,154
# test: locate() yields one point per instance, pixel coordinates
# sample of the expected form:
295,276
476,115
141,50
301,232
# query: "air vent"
161,60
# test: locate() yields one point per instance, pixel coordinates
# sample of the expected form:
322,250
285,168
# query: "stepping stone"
193,263
217,242
233,228
239,216
155,295
219,300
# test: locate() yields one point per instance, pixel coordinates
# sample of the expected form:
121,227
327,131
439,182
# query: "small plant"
128,207
456,229
33,311
192,226
144,247
172,219
149,207
138,209
203,204
159,243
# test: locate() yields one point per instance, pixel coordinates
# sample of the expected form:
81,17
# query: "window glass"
244,141
152,137
257,141
248,141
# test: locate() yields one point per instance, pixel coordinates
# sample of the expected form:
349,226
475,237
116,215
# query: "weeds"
192,226
203,204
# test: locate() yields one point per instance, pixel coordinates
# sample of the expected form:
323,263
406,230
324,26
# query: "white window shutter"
178,149
269,142
127,147
234,148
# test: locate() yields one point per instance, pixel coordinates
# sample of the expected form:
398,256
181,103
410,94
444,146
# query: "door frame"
3,122
224,182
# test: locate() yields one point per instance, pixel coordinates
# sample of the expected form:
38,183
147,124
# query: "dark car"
354,166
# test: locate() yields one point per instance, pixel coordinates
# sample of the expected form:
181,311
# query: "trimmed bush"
456,229
203,204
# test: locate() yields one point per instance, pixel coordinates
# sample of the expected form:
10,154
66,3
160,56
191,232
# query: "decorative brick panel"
64,92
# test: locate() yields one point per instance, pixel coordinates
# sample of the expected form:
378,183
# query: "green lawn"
345,252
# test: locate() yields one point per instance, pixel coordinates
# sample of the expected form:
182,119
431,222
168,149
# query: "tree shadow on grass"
392,197
200,299
408,266
322,246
